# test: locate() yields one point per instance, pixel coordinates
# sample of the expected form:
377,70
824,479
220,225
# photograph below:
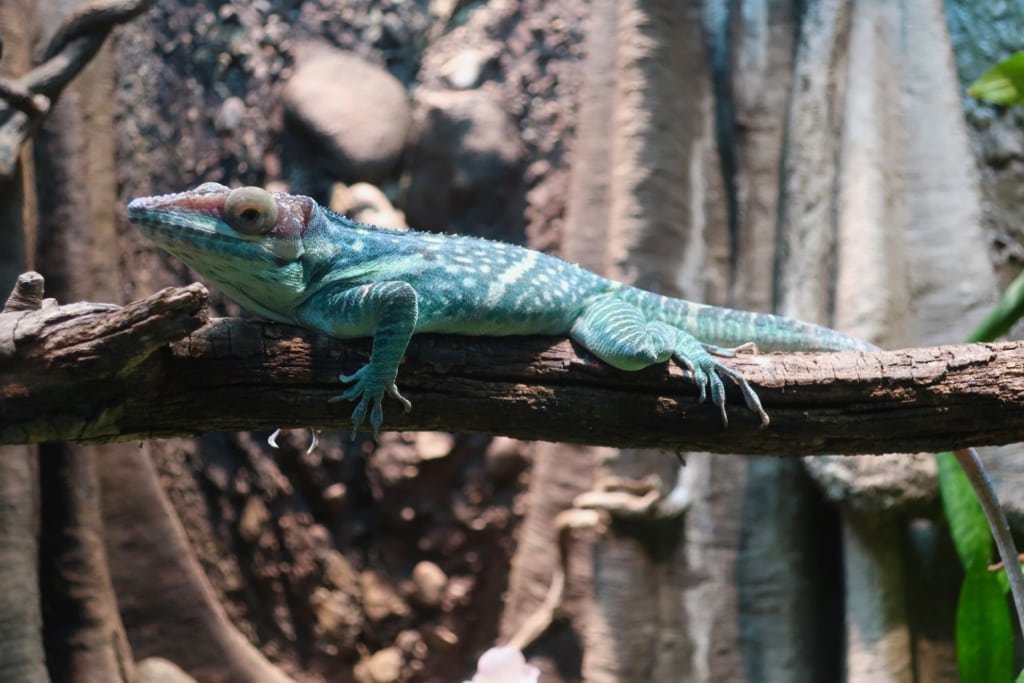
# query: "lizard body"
289,259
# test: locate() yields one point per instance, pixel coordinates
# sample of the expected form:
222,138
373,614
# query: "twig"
24,101
982,485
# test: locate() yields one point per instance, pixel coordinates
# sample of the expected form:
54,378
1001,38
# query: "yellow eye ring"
250,210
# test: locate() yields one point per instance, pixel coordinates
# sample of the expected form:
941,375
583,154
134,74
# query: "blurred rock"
465,146
340,573
465,70
159,670
505,459
366,203
230,116
254,519
355,113
429,581
337,614
383,666
380,599
434,445
440,638
1006,467
336,497
877,485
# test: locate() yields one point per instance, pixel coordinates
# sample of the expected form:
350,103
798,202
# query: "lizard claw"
708,373
393,390
313,442
749,395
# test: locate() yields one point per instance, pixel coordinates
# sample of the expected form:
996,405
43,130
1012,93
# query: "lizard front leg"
387,309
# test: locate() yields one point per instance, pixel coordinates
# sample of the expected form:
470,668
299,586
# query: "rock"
254,519
380,599
336,497
466,147
231,115
504,664
383,666
440,638
159,670
1006,468
340,573
411,643
505,459
337,614
877,485
477,133
366,203
465,70
356,114
434,445
430,581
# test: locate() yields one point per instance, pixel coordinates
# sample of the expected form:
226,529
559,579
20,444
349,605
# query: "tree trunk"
21,621
22,658
168,605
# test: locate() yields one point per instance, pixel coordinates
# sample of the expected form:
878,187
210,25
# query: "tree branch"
96,373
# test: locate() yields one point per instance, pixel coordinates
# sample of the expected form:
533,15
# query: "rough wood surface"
96,373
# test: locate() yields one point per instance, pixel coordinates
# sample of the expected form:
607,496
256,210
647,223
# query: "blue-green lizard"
287,258
291,260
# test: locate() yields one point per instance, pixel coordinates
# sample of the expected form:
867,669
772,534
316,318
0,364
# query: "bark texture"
21,626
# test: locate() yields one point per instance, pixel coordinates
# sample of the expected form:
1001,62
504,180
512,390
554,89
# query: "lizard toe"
718,394
377,415
700,377
355,376
358,415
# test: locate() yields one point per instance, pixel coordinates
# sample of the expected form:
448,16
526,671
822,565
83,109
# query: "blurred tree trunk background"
808,158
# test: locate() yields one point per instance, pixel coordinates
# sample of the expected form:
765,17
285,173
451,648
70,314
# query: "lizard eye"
250,211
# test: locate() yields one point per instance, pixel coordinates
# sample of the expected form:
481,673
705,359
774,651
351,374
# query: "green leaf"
1004,314
967,523
1002,84
984,637
1004,583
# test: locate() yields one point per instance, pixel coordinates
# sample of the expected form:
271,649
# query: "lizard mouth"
199,239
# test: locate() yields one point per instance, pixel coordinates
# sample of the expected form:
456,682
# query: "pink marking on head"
293,211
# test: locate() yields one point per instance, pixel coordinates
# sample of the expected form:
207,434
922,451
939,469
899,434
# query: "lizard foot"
707,374
368,390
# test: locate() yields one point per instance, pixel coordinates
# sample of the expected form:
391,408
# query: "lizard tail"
727,327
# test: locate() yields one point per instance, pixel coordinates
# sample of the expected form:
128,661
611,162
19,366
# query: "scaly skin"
289,259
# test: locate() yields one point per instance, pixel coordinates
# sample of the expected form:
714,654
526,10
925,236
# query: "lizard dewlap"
293,261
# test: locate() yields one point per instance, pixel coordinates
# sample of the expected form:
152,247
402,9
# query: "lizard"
290,260
285,257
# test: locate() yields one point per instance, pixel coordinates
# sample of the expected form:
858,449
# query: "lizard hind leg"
620,334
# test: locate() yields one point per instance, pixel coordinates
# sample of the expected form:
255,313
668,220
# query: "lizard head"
245,240
246,222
